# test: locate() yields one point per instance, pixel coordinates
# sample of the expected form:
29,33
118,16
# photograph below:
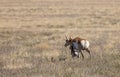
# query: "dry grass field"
32,38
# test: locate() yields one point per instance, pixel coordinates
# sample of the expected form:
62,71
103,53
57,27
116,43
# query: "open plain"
32,38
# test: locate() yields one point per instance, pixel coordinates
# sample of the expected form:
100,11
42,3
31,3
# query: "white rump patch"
85,43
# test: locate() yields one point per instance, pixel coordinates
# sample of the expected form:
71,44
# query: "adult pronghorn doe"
77,45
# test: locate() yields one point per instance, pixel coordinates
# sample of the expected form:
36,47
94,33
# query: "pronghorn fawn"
77,45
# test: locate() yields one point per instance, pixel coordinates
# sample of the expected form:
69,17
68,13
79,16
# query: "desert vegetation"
32,38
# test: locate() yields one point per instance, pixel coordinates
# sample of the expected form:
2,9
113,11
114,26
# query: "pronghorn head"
68,41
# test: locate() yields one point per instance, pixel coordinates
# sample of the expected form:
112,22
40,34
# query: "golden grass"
32,38
54,53
45,46
17,64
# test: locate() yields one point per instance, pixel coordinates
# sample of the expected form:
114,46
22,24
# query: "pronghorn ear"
70,37
66,37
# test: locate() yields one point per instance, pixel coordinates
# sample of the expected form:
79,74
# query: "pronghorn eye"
66,40
70,40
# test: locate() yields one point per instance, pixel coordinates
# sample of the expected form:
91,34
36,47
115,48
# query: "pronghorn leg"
73,55
72,51
88,51
82,54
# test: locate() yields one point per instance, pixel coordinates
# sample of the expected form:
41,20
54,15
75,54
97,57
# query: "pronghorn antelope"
77,45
